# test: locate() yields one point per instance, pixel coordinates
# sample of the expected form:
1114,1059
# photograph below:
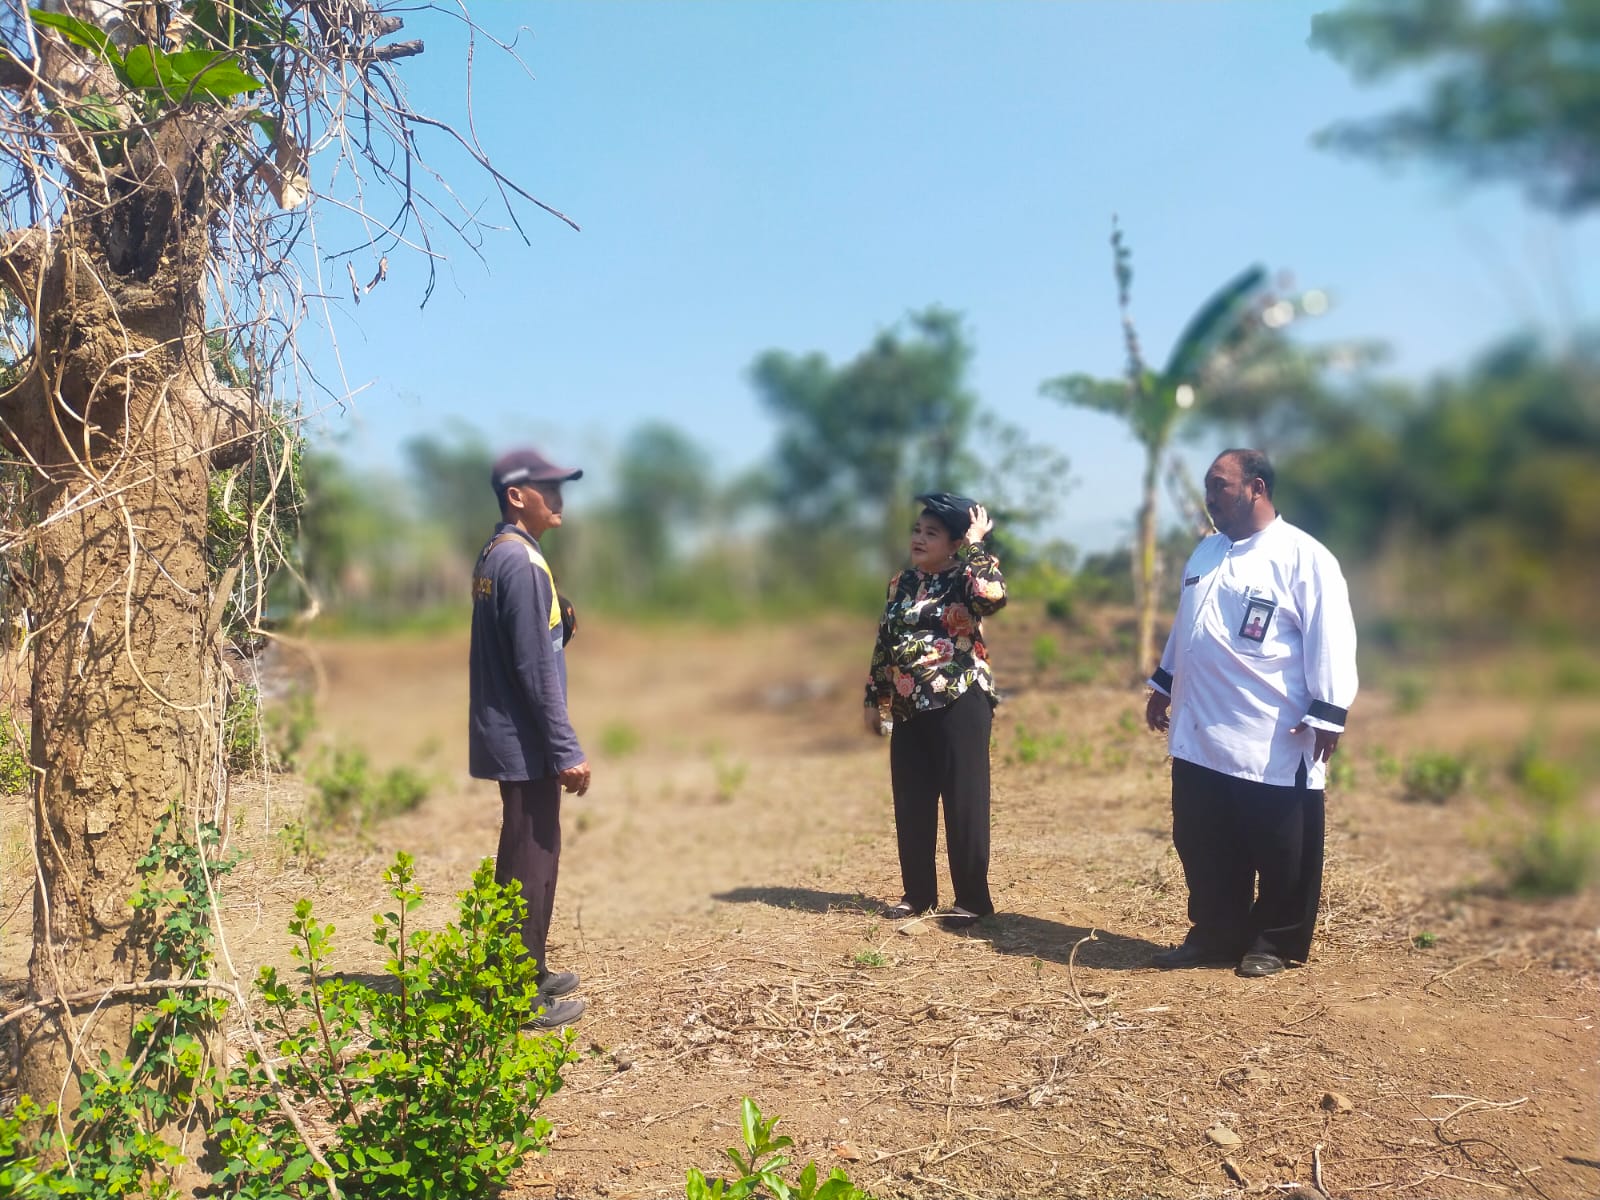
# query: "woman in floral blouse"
932,681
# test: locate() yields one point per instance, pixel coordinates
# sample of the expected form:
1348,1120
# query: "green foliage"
347,790
1046,652
1509,90
1410,693
1341,773
1434,776
730,775
289,724
428,1083
870,957
1029,748
242,730
759,1163
618,739
15,774
1425,941
1478,497
1556,849
126,1134
857,441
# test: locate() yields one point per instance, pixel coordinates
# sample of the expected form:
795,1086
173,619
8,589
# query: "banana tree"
1214,344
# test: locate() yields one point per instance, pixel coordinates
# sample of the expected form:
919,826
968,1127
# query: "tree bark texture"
116,414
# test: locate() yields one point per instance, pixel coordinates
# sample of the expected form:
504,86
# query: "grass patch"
1435,777
619,739
1555,847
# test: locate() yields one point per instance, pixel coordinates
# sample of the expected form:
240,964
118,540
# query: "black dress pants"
1231,833
944,752
530,852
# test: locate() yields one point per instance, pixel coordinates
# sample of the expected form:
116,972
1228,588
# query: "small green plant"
870,957
759,1163
618,739
15,773
135,1112
1410,693
1576,675
398,790
347,791
1434,777
1341,773
1385,765
730,775
1046,652
288,723
1425,941
1029,747
242,730
1556,851
429,1084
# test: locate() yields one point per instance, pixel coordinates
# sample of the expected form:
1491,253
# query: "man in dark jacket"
519,733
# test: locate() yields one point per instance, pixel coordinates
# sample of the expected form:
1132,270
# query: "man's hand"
982,524
1155,711
575,779
1327,741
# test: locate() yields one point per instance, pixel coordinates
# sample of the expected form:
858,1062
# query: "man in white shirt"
1258,673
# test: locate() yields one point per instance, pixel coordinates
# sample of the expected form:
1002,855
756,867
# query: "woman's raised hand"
982,524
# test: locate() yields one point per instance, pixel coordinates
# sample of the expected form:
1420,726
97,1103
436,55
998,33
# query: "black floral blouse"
930,638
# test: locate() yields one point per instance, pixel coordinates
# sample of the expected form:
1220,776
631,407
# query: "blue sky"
800,175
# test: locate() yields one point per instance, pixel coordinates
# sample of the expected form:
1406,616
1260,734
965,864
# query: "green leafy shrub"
1046,652
1556,850
1030,747
347,790
242,730
618,739
289,723
1434,777
759,1164
125,1135
428,1083
15,773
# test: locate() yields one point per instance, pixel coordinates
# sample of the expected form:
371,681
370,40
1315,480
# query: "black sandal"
900,911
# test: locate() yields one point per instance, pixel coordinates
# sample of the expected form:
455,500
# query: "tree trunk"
125,695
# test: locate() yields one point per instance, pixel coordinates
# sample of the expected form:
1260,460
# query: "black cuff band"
1162,679
1331,713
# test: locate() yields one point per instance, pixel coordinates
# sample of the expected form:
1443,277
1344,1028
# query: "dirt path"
718,893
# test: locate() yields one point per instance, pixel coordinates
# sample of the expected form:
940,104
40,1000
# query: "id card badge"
1258,613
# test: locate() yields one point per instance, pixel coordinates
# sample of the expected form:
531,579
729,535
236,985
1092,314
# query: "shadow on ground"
1052,941
801,899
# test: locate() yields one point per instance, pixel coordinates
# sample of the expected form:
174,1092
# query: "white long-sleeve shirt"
1264,640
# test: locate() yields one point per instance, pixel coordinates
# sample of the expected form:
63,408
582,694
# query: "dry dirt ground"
719,895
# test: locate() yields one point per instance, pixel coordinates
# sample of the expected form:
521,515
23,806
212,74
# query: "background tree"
857,441
1231,342
155,182
1511,90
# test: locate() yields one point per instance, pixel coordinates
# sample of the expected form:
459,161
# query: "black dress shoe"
1189,954
1255,966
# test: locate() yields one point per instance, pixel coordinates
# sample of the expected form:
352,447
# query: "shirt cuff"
1322,715
1161,681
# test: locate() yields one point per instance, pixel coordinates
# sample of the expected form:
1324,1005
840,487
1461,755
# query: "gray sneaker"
558,984
555,1015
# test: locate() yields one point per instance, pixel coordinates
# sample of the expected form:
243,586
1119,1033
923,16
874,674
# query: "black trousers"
530,853
944,753
1231,833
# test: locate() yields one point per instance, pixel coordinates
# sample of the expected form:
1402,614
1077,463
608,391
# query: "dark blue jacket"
518,725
